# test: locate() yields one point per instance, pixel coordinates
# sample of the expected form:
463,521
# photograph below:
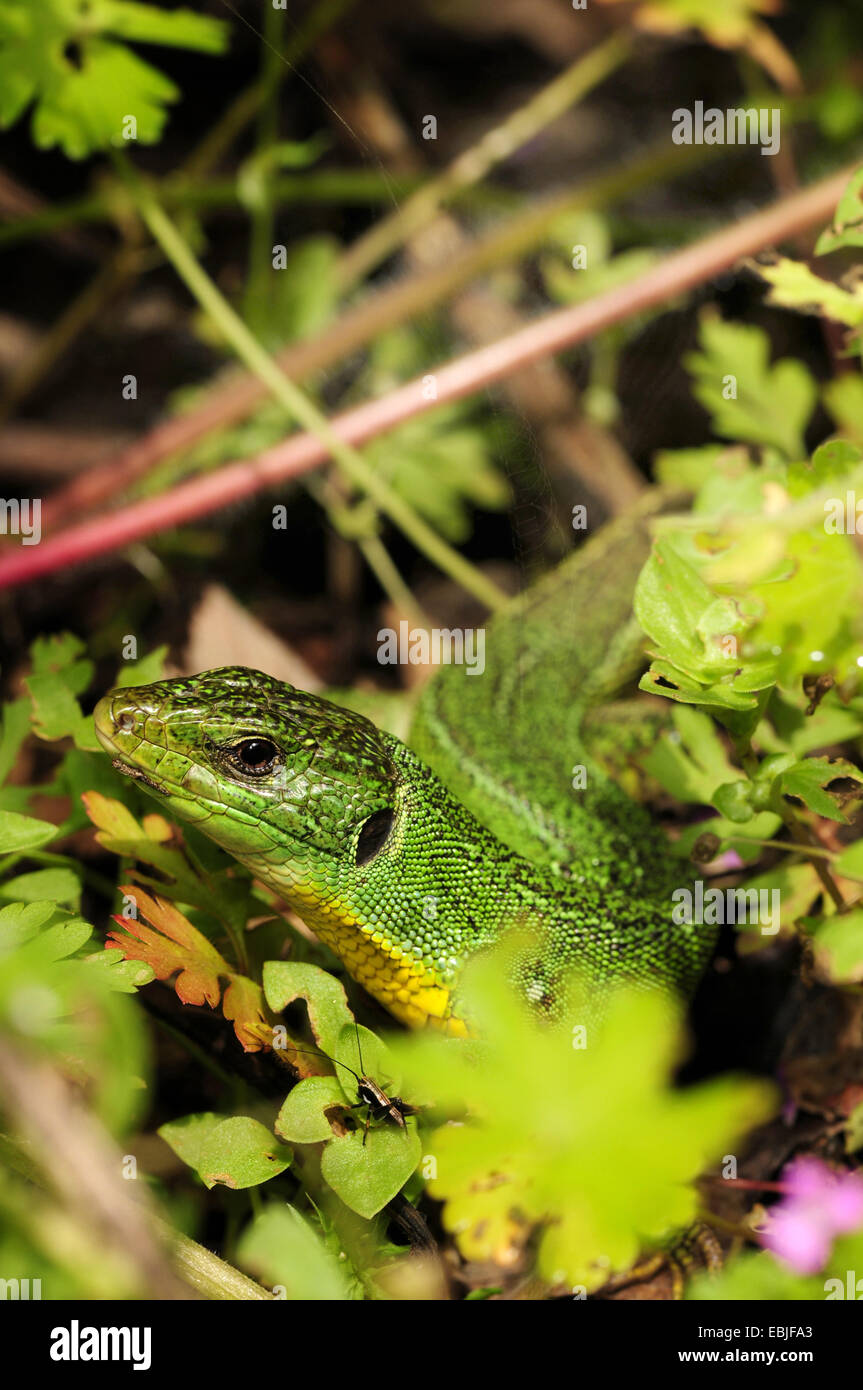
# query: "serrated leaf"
172,946
847,226
85,85
583,1144
794,285
19,833
809,779
770,404
148,669
124,976
14,729
57,884
19,922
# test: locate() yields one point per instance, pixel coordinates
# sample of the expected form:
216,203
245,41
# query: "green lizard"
406,860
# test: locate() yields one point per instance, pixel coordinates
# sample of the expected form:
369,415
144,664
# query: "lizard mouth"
111,726
129,770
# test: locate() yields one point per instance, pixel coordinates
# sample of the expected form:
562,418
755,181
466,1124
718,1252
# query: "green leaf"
59,884
188,1135
20,922
732,25
303,1119
665,679
237,1152
798,885
572,1135
327,1002
64,938
367,1055
832,722
847,227
150,668
241,1152
23,832
443,468
56,713
124,976
14,729
809,779
814,609
671,599
839,947
689,469
690,761
59,677
367,1176
844,399
747,398
794,285
281,1248
761,827
304,292
62,56
60,655
733,801
850,862
51,998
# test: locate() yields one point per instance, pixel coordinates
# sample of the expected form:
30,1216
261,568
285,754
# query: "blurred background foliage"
367,196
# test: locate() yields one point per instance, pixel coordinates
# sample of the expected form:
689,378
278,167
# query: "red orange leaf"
174,946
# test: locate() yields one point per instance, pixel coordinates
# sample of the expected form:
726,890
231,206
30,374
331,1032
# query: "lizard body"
407,860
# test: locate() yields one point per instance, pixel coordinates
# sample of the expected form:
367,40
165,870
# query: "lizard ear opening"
374,834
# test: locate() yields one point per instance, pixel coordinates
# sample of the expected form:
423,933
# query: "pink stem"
682,270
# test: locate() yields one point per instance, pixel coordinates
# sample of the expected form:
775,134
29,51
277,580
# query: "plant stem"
204,1272
809,850
257,296
473,164
346,186
677,272
383,567
300,406
229,401
803,836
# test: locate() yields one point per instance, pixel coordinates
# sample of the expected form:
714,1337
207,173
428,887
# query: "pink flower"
819,1205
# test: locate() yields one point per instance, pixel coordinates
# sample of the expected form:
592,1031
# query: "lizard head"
254,762
314,800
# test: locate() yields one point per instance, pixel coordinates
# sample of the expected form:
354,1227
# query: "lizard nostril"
125,722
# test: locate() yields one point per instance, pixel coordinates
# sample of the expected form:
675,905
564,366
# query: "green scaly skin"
477,831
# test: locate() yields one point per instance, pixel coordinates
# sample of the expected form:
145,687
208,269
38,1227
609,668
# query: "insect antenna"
311,1052
359,1047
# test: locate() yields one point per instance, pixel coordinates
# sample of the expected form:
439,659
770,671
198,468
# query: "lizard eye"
256,755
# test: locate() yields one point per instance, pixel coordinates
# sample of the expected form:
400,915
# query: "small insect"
380,1105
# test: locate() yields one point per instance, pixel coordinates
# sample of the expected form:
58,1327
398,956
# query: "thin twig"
302,408
299,454
233,397
473,164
